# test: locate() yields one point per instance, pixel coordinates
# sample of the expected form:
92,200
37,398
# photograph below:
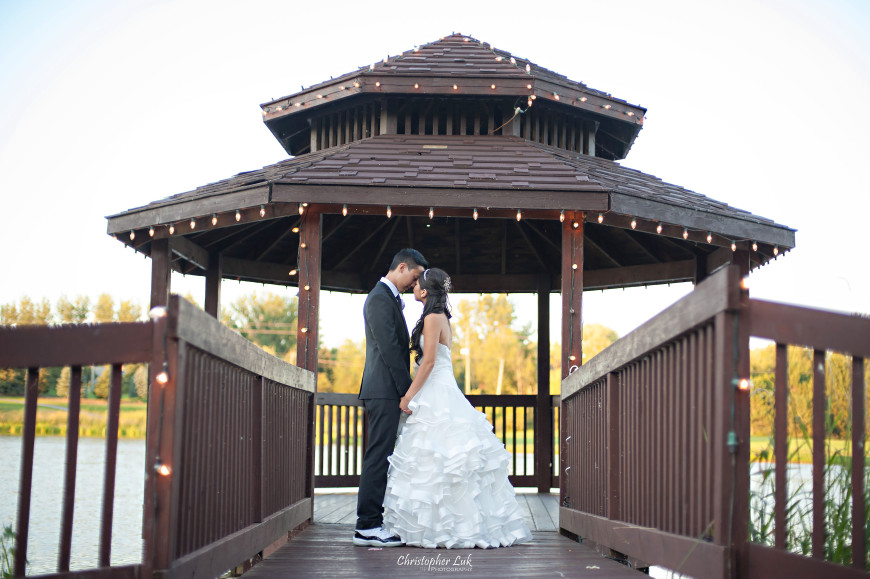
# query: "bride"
447,484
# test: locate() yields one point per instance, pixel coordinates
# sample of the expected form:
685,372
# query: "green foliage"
101,388
268,320
73,312
7,551
129,311
140,381
104,311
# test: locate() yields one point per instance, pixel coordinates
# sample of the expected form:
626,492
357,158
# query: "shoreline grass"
51,417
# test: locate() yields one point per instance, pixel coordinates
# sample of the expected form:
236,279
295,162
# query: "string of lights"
572,96
692,234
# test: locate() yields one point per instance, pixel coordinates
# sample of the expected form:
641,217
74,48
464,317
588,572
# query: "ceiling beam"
190,251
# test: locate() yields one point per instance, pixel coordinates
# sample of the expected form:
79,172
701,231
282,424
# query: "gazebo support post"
309,299
160,273
572,290
308,266
213,276
740,258
543,410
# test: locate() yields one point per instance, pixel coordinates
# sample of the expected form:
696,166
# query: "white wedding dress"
447,484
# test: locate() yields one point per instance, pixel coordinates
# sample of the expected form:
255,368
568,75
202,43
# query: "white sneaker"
377,537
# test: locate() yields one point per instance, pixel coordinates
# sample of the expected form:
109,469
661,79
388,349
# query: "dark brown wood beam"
213,277
373,265
447,200
189,251
310,233
549,241
544,434
457,234
594,245
532,247
572,291
361,245
160,272
630,235
230,201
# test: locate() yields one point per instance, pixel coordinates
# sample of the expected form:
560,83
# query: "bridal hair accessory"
446,286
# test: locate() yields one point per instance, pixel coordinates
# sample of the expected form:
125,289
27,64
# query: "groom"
385,380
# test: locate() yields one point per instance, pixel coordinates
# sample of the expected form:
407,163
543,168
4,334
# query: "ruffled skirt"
447,484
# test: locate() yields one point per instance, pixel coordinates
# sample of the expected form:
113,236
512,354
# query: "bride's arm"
431,335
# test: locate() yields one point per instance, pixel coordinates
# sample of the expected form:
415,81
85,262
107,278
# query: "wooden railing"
341,437
227,449
36,347
655,447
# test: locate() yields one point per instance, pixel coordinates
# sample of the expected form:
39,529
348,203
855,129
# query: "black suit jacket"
387,371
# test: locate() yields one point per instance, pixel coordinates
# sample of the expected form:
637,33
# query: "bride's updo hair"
437,284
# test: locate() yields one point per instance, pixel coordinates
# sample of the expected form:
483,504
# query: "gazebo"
500,171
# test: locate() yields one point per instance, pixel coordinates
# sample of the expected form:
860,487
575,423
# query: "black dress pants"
383,415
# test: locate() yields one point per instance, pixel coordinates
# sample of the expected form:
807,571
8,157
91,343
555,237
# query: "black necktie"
400,302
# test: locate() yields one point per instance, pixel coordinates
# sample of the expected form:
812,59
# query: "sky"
107,105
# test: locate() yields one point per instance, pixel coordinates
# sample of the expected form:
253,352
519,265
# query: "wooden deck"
324,549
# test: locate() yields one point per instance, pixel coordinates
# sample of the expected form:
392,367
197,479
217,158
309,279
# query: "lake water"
47,500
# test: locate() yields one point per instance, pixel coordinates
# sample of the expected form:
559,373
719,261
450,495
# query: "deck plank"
324,550
540,515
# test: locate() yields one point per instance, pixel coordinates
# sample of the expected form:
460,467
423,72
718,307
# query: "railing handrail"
718,293
811,328
205,332
75,345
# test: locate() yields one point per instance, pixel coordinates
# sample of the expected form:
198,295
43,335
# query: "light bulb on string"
293,272
295,230
301,209
634,223
474,214
601,218
389,212
685,233
519,214
303,330
733,246
306,287
572,357
455,87
151,231
162,469
775,250
238,215
431,213
754,246
573,266
575,225
171,229
303,245
659,227
192,223
344,210
214,218
262,210
562,216
709,237
132,235
162,377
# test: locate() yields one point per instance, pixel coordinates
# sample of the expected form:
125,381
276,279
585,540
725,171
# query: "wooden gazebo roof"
495,184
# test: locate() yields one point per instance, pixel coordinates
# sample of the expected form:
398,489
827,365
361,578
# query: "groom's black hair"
410,257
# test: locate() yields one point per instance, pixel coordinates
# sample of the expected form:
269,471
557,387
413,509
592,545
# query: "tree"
129,311
103,385
495,357
104,311
595,339
32,313
140,380
342,367
73,312
63,383
268,320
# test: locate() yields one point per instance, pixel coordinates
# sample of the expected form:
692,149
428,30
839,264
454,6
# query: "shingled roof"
453,67
426,140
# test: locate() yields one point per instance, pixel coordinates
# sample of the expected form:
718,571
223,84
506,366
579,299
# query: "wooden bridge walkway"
324,549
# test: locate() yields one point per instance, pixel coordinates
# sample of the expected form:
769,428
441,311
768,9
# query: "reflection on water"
47,500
